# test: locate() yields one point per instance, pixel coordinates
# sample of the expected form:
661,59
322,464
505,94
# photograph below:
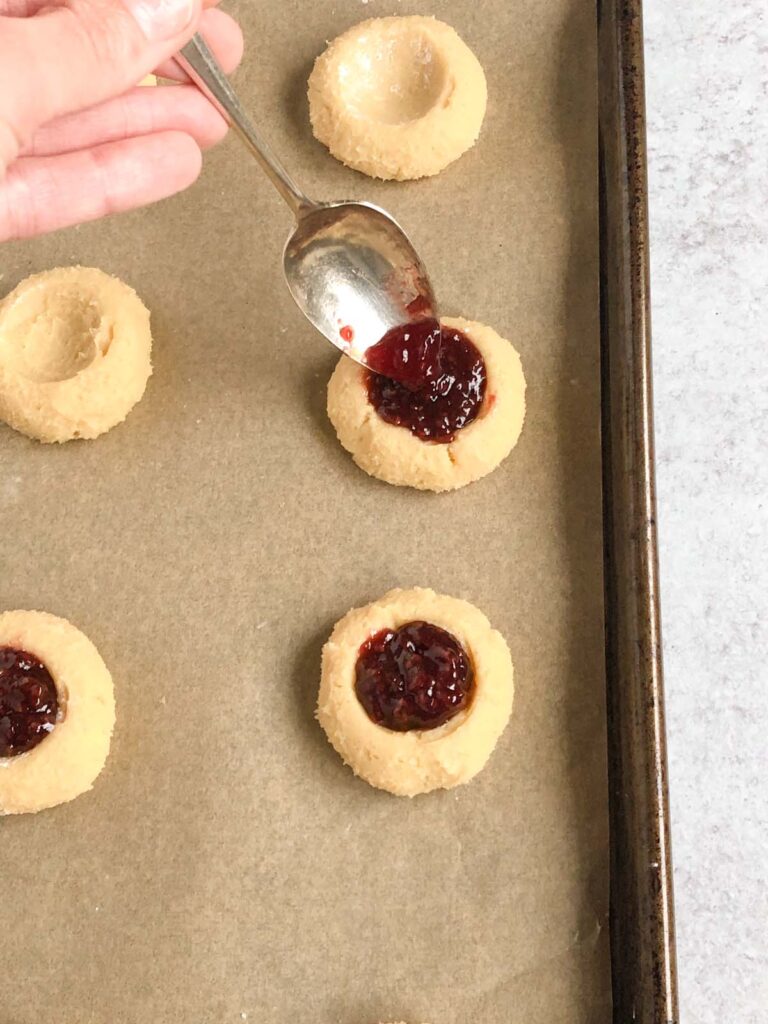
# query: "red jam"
28,702
409,355
415,677
428,379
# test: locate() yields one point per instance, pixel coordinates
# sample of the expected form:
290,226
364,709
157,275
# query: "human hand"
78,140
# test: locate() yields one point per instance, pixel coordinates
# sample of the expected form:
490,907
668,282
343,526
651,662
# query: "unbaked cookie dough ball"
416,690
75,348
57,712
398,98
435,441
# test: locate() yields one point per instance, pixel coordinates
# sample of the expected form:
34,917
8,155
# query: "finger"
138,112
84,52
41,194
223,36
20,8
26,8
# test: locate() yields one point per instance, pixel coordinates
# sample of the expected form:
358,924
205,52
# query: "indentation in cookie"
49,338
393,79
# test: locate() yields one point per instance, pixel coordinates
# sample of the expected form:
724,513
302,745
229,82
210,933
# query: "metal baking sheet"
226,866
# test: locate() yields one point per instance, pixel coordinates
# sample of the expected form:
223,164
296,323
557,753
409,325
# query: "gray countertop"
707,78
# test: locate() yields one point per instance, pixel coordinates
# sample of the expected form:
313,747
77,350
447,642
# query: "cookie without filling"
398,98
416,761
392,453
66,761
75,349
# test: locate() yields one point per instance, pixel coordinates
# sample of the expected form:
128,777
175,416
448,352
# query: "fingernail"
162,19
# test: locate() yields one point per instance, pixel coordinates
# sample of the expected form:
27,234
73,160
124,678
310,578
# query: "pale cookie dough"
409,763
66,762
398,98
393,454
75,348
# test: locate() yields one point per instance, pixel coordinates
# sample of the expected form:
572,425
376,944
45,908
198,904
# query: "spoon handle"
202,67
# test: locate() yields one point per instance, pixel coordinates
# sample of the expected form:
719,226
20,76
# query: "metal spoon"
349,266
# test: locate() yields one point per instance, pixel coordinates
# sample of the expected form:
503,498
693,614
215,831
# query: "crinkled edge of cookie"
411,763
99,396
413,149
395,455
67,762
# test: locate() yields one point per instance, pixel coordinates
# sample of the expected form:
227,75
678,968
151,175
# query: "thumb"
81,53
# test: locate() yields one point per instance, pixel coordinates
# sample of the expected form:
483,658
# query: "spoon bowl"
355,275
350,266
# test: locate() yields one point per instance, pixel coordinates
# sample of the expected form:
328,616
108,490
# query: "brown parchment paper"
227,867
